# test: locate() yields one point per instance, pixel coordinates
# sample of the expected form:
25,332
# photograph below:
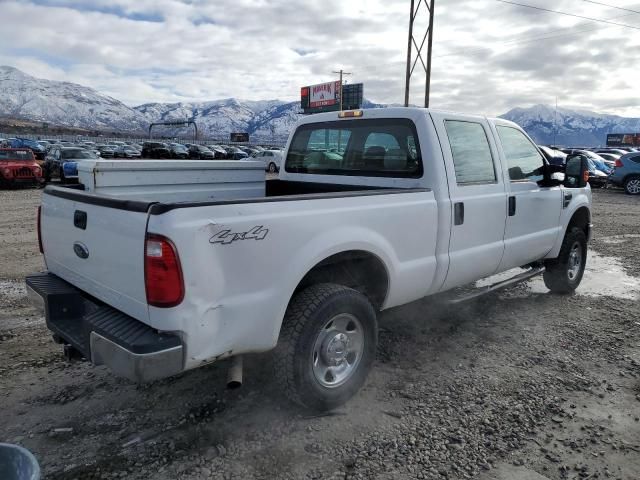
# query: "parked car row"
271,157
616,166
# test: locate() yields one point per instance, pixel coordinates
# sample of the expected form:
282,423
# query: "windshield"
73,154
16,155
386,147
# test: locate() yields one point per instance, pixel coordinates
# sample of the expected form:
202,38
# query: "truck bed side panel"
242,262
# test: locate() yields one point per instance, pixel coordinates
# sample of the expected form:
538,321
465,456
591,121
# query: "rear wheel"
632,185
327,346
272,167
564,274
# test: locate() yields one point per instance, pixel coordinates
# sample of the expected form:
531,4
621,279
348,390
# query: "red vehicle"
18,166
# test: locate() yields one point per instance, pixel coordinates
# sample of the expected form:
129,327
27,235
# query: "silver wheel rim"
633,186
337,350
575,261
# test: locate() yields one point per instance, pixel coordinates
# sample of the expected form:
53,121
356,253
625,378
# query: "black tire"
46,173
632,185
309,316
272,168
562,275
63,179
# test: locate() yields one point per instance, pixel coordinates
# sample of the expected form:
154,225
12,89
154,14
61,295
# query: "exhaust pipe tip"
234,377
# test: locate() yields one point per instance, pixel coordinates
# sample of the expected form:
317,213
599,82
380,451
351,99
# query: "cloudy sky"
488,56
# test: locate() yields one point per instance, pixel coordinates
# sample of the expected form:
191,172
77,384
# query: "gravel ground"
517,385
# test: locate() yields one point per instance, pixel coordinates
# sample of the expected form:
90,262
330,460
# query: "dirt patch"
520,384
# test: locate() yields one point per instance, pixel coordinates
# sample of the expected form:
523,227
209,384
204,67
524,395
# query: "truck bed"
276,190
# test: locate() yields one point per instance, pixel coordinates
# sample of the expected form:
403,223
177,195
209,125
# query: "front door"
533,220
478,198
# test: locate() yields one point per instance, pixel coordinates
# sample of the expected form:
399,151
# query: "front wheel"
632,185
564,274
327,346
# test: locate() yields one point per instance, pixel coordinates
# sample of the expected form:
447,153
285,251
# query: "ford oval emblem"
81,250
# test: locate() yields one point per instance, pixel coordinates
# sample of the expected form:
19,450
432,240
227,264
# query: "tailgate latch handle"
80,219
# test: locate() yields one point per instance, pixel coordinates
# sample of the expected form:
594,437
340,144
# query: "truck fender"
578,213
313,253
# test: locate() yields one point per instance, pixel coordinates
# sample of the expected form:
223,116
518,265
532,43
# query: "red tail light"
619,164
39,229
162,272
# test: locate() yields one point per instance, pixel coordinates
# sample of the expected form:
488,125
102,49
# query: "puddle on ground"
603,276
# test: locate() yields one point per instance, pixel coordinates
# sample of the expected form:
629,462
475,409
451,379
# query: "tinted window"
384,147
523,158
635,159
471,153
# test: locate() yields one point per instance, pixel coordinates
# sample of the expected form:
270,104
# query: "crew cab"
371,210
18,167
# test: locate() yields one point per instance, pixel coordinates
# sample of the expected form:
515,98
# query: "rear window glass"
379,148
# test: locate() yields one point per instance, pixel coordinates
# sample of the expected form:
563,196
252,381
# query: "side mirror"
576,172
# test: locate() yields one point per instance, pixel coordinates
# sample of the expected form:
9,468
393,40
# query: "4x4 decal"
225,237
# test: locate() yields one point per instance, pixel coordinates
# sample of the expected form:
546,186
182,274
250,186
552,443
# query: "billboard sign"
623,140
239,137
324,94
325,97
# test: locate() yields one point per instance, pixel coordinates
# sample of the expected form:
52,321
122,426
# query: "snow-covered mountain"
571,127
63,103
271,118
69,104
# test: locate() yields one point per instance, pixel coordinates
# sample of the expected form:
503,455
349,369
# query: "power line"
612,6
546,36
568,14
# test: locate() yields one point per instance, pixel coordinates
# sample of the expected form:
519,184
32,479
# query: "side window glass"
471,153
523,159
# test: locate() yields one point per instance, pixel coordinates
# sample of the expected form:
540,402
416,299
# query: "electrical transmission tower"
428,37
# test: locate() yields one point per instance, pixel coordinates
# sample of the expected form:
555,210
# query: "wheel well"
630,175
356,269
581,219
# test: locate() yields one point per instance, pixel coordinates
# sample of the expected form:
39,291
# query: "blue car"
38,150
626,173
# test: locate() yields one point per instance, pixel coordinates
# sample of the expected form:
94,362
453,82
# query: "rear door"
97,247
478,197
533,220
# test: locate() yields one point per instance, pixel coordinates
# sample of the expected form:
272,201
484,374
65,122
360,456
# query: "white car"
372,209
271,158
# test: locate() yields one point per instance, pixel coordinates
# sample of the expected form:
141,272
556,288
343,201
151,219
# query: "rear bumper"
104,335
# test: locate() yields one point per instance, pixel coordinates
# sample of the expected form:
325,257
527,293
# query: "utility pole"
341,72
413,12
555,122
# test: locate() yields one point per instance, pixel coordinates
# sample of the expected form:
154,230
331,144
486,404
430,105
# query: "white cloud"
488,56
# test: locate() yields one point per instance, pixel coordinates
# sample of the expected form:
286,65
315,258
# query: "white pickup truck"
372,209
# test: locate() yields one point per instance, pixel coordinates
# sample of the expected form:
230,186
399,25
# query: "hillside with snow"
68,104
571,127
63,103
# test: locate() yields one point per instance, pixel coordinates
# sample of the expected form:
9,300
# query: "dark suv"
155,150
201,153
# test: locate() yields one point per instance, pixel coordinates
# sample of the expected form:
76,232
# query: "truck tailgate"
97,247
